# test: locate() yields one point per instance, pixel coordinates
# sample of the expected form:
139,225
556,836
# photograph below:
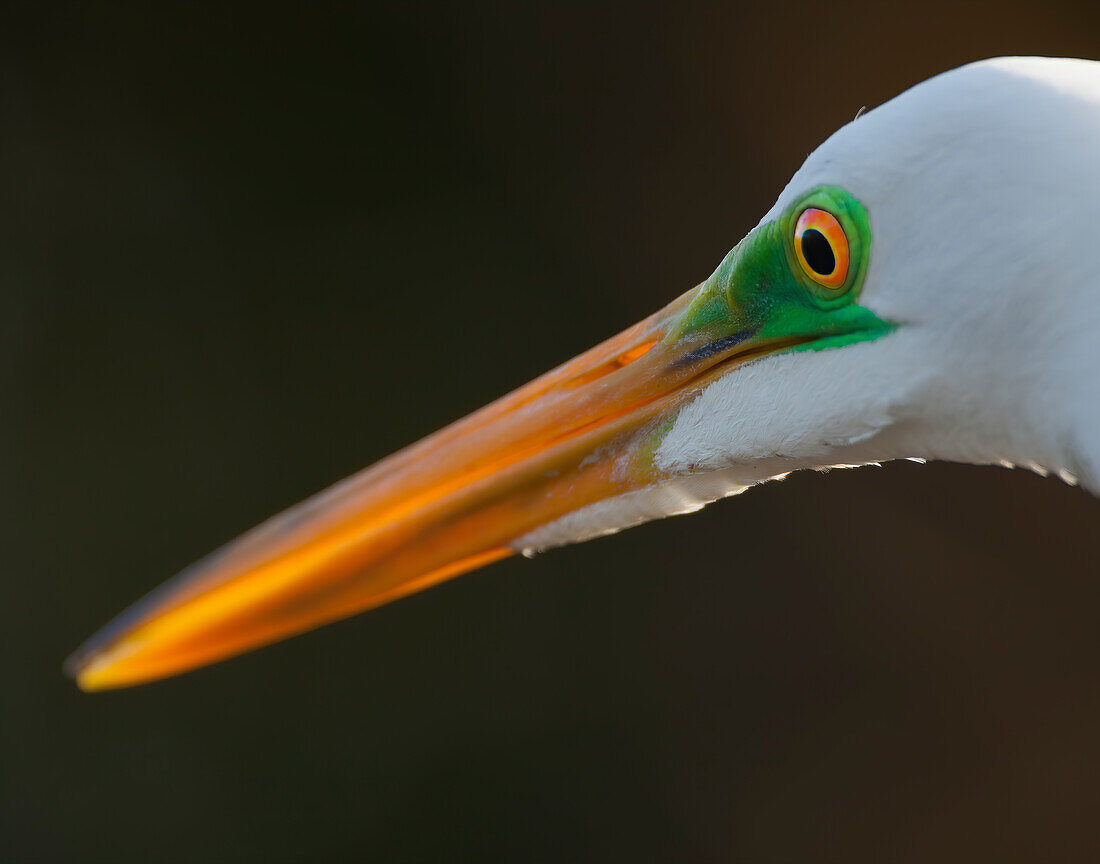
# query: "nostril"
612,365
628,357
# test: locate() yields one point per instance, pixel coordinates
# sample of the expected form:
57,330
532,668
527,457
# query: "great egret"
926,286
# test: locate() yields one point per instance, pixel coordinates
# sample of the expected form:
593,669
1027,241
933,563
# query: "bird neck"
1034,402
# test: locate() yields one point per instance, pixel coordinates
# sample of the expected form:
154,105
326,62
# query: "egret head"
925,286
960,319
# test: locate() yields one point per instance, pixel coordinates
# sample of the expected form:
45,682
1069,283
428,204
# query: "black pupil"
818,253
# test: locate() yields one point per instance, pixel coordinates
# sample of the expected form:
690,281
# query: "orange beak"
459,499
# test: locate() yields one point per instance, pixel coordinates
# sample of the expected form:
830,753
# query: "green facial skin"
760,294
761,289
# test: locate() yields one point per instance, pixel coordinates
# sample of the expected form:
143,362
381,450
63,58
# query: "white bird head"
981,189
924,287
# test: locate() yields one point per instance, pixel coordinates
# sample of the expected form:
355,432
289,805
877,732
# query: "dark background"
246,251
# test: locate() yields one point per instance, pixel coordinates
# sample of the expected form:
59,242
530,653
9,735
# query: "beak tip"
92,671
75,667
94,678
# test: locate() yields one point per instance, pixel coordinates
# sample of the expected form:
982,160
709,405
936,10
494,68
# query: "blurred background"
245,251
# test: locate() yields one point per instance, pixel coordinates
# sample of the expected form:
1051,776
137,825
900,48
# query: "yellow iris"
822,247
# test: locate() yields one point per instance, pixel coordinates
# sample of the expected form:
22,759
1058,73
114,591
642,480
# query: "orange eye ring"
822,247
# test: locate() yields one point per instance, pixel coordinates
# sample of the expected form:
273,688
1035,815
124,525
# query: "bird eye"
822,247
